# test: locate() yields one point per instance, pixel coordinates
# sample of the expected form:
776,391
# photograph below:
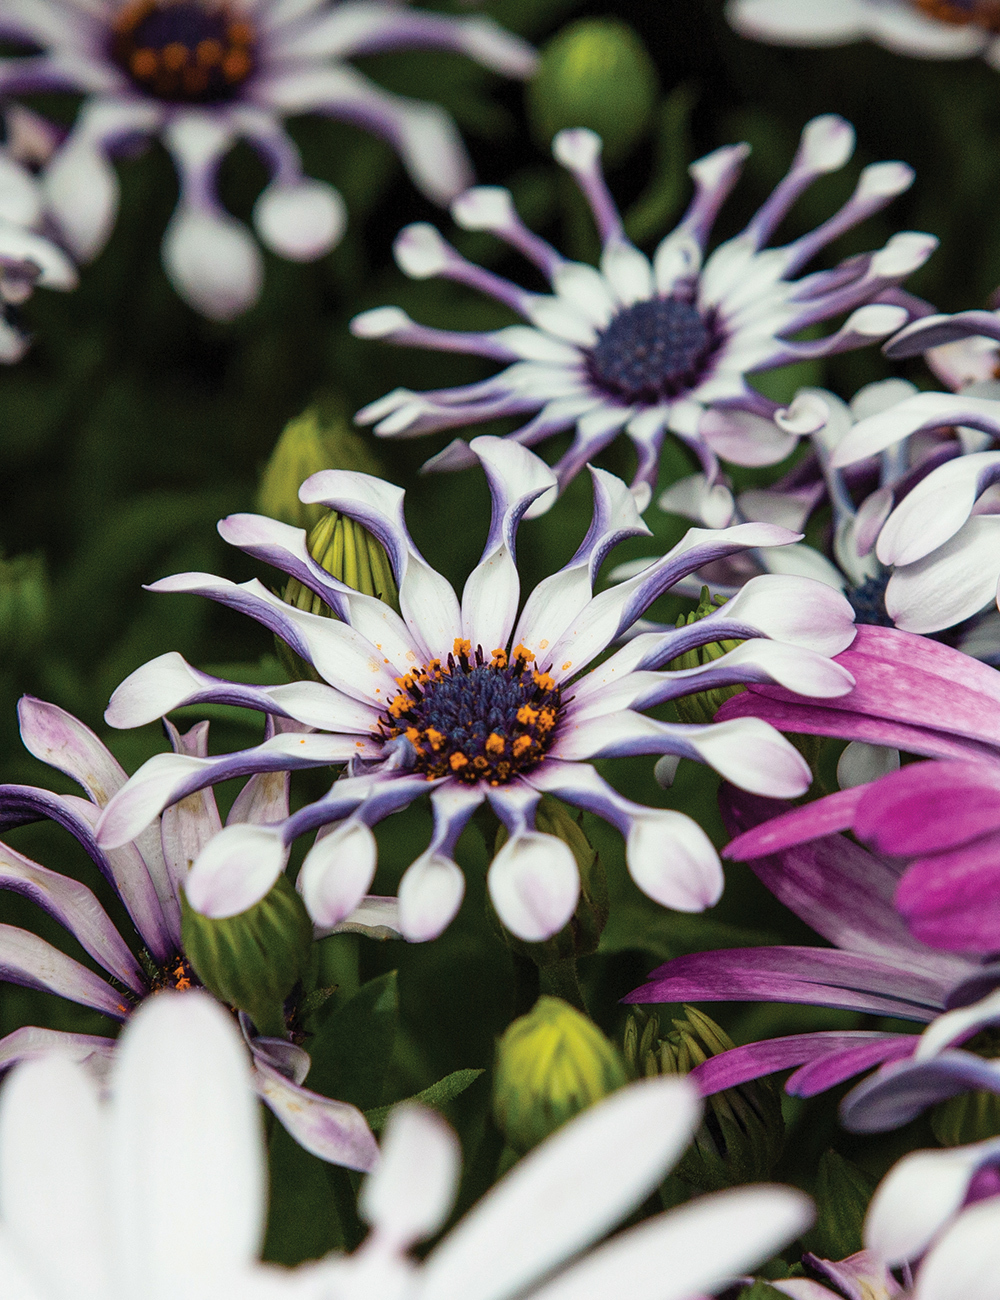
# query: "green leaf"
302,1221
352,1047
437,1095
842,1195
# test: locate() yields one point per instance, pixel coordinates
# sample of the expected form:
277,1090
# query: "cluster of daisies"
135,1164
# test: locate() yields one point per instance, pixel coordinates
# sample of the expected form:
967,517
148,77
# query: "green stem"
560,980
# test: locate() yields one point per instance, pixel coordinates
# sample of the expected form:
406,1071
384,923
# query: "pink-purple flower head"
203,74
472,701
921,29
146,875
651,347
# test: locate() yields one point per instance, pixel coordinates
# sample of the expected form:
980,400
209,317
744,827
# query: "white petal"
534,885
950,584
964,1264
627,271
566,1194
673,861
81,190
412,1190
53,1190
800,22
301,221
755,757
693,498
861,763
694,1249
430,895
236,869
213,262
337,872
186,1158
935,510
795,610
917,1198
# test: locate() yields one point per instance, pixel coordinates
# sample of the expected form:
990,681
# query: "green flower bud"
595,73
551,1064
582,934
253,960
308,444
350,553
703,706
742,1135
24,603
969,1117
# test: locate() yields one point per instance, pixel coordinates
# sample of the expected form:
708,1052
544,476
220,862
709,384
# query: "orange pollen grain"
495,745
544,681
208,53
527,716
462,647
236,65
521,746
457,762
174,56
144,64
436,738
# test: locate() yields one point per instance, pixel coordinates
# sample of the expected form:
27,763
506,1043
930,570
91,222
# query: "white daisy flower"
202,74
650,347
471,701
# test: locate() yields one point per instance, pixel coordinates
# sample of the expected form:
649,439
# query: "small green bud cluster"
24,604
704,705
252,961
742,1135
551,1064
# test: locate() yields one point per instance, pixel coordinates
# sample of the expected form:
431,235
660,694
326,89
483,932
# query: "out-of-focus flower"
942,539
470,702
935,1218
147,875
157,1190
922,29
530,1235
875,966
202,74
29,258
651,347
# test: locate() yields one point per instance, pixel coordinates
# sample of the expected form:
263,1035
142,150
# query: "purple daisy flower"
202,74
651,347
146,874
471,702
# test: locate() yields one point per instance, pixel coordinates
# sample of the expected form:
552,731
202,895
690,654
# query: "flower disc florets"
651,351
185,51
476,720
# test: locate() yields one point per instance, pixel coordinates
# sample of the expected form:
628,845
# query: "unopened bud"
253,960
969,1117
24,603
349,552
308,444
742,1135
551,1064
595,73
704,705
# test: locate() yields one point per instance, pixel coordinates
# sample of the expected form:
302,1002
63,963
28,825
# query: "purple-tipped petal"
62,741
236,869
430,894
332,1130
899,1092
31,1042
338,871
26,959
534,885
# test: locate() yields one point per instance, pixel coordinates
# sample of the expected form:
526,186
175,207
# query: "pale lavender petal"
338,871
376,917
430,894
411,1193
74,906
899,1092
32,1042
26,959
62,741
937,507
332,1130
534,885
235,869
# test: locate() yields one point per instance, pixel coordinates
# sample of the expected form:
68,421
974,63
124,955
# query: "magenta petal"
824,817
757,1059
928,807
952,900
819,1075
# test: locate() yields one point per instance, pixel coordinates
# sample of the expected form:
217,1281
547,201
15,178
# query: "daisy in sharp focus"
650,347
922,29
471,702
203,74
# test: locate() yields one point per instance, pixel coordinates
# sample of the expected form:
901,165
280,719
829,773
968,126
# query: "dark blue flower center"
868,602
476,720
651,351
184,51
981,13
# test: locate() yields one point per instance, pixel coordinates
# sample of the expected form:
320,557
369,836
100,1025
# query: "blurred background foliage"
133,425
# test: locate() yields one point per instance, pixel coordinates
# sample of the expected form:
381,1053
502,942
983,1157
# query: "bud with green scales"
311,442
551,1064
595,73
348,552
742,1135
971,1116
703,706
252,961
